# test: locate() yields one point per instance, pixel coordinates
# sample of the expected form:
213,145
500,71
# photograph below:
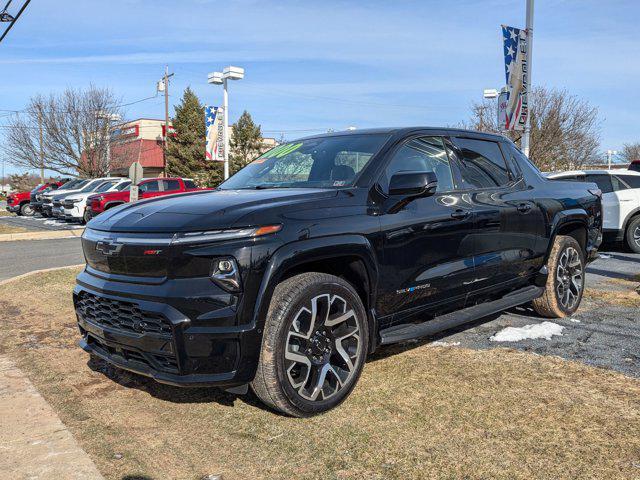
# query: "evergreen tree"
185,149
246,142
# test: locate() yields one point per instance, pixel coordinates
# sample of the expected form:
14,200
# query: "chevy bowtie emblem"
108,249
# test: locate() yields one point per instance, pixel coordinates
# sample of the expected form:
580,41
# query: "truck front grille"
164,362
126,316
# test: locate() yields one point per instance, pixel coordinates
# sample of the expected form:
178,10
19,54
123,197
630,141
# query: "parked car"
91,185
635,166
20,202
147,188
620,202
47,197
74,205
300,265
57,187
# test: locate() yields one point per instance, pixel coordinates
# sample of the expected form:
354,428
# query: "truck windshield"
332,161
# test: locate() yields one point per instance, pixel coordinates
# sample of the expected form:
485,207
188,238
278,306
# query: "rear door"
171,186
149,188
627,190
508,221
611,215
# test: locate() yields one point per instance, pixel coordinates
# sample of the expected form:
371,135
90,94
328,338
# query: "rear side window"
189,184
603,182
170,185
150,187
632,180
423,154
482,164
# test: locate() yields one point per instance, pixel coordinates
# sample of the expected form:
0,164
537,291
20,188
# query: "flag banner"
213,120
515,68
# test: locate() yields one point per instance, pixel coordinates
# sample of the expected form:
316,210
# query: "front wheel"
633,234
26,210
314,345
85,217
565,283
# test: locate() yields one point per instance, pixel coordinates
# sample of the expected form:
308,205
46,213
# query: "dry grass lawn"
4,228
426,412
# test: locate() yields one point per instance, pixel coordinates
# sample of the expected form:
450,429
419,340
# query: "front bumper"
200,341
73,213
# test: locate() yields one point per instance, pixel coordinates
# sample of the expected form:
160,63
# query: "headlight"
217,235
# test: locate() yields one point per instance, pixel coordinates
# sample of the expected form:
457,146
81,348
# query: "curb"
35,272
12,237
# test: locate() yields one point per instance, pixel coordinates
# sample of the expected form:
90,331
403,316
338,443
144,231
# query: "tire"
26,210
338,351
565,283
45,214
85,217
632,235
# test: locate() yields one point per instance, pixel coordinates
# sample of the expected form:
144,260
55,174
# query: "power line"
15,19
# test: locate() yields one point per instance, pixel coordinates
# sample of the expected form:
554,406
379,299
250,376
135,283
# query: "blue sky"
311,66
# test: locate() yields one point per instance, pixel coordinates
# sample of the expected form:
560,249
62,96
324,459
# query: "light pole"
610,153
220,78
108,118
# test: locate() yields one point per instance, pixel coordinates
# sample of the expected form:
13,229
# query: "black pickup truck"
296,268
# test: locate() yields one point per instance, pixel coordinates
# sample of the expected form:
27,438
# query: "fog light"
226,274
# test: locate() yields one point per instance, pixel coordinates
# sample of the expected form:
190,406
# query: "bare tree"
565,129
74,131
631,152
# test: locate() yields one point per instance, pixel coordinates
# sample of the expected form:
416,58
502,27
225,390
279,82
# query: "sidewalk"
34,443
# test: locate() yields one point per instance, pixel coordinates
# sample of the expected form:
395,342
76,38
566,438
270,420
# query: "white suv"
74,206
620,202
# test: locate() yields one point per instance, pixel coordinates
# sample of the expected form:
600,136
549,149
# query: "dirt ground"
419,411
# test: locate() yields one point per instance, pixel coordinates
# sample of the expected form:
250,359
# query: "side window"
149,187
171,185
423,154
482,164
617,184
633,181
603,182
189,184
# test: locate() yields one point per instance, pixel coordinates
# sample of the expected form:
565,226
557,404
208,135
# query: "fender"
296,253
575,216
628,218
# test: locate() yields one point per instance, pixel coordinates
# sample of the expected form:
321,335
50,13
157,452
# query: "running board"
401,333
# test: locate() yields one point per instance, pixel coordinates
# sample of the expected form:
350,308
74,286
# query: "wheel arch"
350,257
115,203
630,216
573,223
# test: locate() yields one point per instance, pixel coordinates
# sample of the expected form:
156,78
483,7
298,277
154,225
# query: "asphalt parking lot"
38,223
602,333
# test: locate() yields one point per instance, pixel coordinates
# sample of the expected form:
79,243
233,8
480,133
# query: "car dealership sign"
213,118
516,72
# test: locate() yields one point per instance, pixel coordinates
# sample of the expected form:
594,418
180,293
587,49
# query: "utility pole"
41,147
165,86
527,128
610,154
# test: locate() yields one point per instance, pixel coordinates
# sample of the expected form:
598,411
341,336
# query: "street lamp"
108,117
220,78
490,93
611,153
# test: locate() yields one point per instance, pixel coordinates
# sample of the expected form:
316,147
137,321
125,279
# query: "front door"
428,256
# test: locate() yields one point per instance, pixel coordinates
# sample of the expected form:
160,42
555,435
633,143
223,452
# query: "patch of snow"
604,256
574,320
544,330
439,343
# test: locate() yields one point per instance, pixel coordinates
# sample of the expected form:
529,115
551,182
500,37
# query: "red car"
147,188
635,166
19,202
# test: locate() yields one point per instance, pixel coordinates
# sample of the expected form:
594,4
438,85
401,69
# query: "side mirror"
413,184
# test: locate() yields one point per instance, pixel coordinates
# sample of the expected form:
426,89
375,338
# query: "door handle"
524,207
460,214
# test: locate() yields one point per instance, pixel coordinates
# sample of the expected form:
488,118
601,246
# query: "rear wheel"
26,210
565,283
633,234
86,217
314,345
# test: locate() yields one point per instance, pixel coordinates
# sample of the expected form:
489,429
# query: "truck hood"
202,210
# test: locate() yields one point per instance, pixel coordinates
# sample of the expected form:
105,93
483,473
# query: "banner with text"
213,119
515,67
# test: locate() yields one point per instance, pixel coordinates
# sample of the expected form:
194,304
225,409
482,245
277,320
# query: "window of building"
482,164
